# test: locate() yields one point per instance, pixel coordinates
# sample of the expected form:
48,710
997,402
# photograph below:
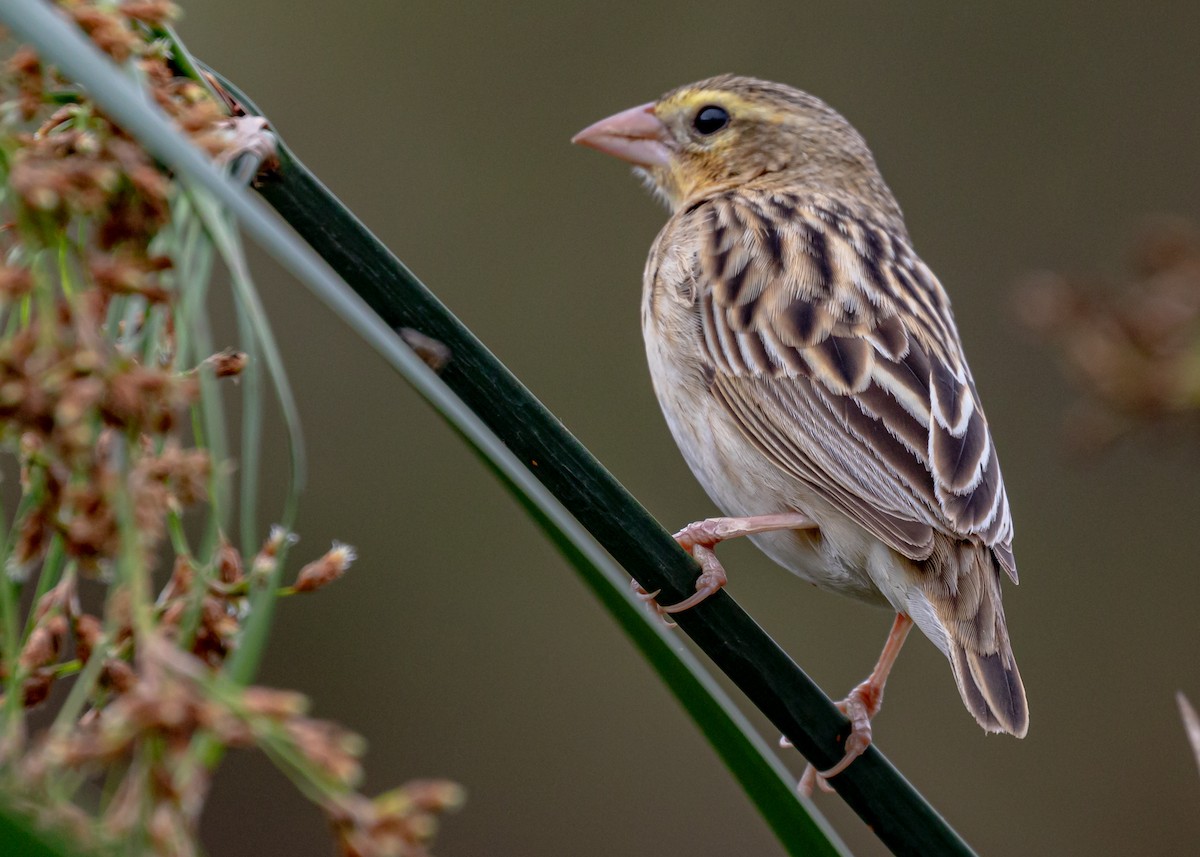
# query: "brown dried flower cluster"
1135,350
100,390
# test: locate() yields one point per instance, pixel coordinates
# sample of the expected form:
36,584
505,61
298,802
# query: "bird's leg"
860,706
699,539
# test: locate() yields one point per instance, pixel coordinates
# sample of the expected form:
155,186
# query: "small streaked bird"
810,370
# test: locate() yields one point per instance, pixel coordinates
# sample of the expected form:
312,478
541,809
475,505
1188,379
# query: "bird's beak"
635,135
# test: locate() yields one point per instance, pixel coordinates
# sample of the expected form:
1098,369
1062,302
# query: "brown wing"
834,348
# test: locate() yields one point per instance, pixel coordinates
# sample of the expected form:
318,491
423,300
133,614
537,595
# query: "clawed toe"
647,598
857,743
712,577
813,778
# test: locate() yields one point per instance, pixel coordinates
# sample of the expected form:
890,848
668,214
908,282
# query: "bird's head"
728,131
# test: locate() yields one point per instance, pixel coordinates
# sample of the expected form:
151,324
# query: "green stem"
52,569
14,703
68,715
253,319
252,426
193,344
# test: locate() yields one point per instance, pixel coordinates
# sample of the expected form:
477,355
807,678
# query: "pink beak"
635,135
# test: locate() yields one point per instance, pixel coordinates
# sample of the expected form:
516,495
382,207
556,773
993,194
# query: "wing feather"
834,349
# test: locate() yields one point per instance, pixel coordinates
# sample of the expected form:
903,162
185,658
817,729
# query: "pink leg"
860,706
699,539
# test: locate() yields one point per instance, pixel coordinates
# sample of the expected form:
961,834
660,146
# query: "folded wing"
834,348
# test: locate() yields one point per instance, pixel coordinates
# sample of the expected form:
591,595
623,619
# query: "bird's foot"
699,539
860,706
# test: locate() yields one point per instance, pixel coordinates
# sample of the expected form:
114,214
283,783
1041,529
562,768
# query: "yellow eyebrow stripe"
735,104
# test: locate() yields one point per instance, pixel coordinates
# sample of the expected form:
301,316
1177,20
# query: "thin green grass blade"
253,322
497,404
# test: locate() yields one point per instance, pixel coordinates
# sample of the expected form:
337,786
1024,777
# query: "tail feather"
991,689
962,584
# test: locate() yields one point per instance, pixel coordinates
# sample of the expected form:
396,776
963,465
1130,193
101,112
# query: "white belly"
743,482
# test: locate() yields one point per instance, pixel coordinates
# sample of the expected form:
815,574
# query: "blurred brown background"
462,646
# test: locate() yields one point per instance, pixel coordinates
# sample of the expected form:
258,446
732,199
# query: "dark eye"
711,119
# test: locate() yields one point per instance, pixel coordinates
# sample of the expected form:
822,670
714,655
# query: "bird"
810,370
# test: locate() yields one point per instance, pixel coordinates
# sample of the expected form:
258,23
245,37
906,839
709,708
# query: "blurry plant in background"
120,697
1134,351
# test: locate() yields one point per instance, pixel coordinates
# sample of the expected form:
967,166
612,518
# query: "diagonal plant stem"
524,443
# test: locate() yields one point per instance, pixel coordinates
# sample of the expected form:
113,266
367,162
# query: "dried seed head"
230,729
106,30
26,68
88,523
88,634
118,675
278,540
36,687
15,282
183,574
217,619
229,564
436,795
329,747
45,643
228,363
128,273
325,570
154,13
168,832
32,539
172,615
273,704
75,404
399,822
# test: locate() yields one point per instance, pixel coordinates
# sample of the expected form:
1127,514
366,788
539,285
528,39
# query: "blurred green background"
462,646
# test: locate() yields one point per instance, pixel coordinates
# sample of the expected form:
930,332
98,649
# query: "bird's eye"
711,119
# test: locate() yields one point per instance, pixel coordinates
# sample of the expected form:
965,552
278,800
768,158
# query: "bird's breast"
733,472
